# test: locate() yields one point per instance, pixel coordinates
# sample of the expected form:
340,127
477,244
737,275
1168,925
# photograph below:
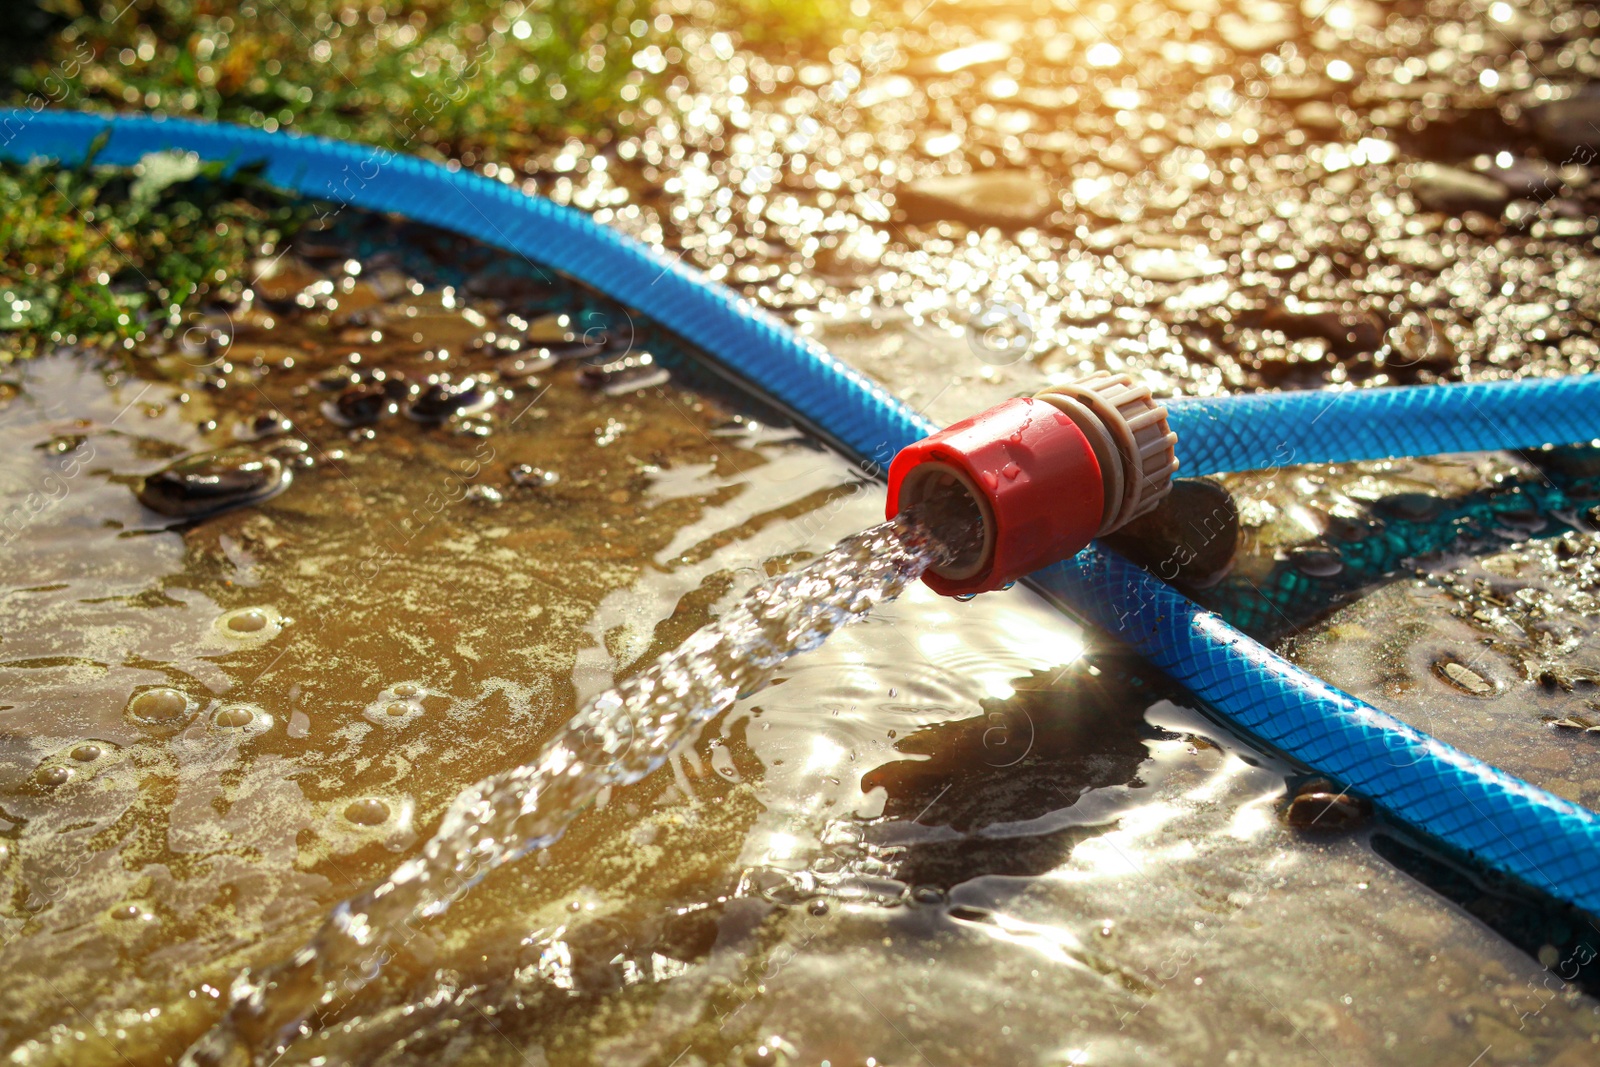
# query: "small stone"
62,444
1568,128
212,482
361,405
442,401
1318,116
1455,191
1317,562
1262,31
1532,179
485,495
1464,678
1322,806
1008,199
334,380
286,279
261,427
1572,461
1348,332
630,374
550,330
1172,264
525,475
1409,507
524,365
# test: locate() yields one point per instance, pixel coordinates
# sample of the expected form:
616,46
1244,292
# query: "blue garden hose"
1267,430
1466,804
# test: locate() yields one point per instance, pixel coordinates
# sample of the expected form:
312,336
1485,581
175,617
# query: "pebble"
1454,191
524,365
1318,116
262,427
1316,562
442,401
1566,128
1409,507
1464,678
1008,199
630,374
1256,34
213,482
1533,179
525,475
1321,805
550,329
1171,264
1348,333
62,444
293,451
361,405
289,277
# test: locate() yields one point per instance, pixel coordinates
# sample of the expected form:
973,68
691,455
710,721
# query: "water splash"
618,738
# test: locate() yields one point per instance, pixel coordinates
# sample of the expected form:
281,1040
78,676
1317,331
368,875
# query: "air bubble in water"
161,704
367,812
234,716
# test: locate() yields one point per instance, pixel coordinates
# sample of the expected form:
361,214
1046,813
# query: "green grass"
468,80
492,79
107,256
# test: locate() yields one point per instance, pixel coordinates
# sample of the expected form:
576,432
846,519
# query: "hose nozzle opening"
962,507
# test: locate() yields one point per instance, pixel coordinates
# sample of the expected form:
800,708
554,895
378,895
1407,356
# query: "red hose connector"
1048,474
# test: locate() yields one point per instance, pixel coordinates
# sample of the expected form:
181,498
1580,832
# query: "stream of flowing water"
618,738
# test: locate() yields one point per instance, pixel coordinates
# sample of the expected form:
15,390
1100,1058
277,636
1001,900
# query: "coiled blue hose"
1468,805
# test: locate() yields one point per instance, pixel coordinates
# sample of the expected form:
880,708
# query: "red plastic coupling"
1047,474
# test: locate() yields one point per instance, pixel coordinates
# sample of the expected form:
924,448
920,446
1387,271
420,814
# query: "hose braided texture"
1241,433
1497,819
1466,804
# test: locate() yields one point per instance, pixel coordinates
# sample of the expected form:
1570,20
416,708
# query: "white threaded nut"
1127,427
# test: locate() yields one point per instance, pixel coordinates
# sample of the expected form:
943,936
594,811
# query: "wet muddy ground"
958,832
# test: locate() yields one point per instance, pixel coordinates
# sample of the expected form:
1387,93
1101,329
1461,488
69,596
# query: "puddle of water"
955,783
856,862
616,739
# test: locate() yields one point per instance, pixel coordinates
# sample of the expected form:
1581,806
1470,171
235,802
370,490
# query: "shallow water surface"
956,833
955,827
